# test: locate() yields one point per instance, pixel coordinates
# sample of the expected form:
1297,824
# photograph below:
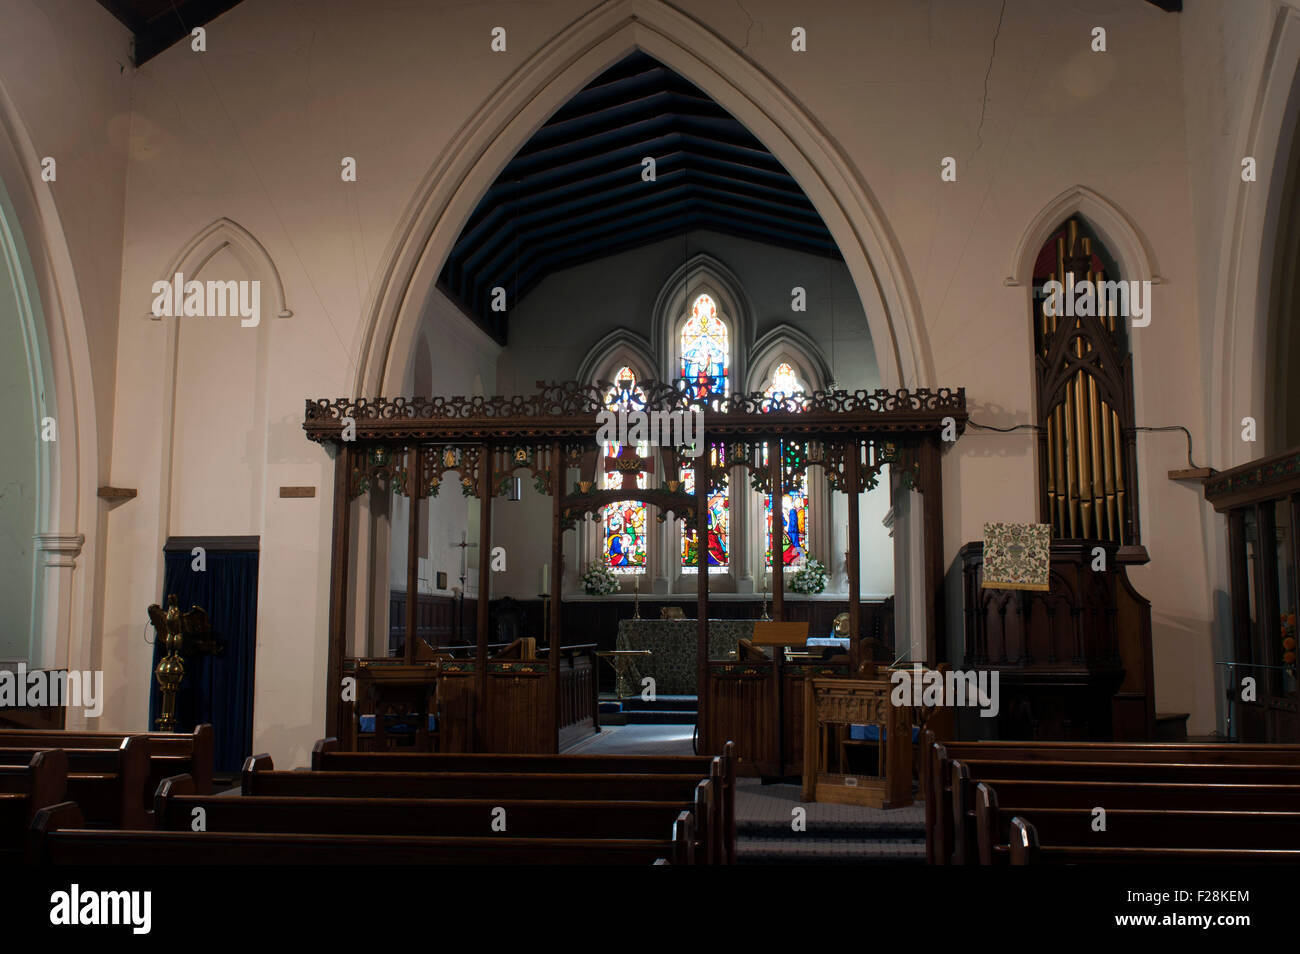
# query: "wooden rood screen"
414,444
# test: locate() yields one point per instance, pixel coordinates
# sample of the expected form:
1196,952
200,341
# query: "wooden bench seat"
966,774
170,753
176,807
1133,827
327,757
57,838
939,811
108,783
1026,850
25,790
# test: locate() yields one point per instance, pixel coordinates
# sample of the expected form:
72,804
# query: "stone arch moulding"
252,254
1120,235
788,338
524,100
69,541
701,273
620,343
1237,363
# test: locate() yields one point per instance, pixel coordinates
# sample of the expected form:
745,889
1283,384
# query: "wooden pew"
326,756
170,753
58,838
1026,850
966,773
176,805
260,778
108,783
1128,827
25,790
938,800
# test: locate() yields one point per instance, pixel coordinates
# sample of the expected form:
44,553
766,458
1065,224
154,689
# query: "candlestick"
545,578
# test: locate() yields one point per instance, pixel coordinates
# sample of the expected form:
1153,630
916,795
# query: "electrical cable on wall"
1035,427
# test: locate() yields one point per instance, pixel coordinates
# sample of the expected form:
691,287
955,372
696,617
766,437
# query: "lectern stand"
832,702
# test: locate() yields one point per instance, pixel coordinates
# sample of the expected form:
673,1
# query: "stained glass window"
784,387
718,516
706,350
623,523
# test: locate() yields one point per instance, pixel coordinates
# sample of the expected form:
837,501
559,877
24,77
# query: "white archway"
70,516
453,186
1238,362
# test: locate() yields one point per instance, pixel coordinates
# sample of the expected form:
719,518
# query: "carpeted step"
675,703
659,717
795,849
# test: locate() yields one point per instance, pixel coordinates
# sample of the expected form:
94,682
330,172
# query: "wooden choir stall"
526,699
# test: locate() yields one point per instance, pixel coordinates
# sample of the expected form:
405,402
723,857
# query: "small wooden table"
838,702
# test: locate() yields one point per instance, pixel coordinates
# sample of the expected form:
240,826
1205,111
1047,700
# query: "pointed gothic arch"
224,233
788,343
460,176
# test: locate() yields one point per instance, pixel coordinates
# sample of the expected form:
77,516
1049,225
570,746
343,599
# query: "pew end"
321,748
172,786
1024,842
48,819
49,780
986,817
684,839
252,765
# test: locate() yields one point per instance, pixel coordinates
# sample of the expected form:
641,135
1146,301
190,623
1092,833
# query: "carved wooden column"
484,588
556,580
414,478
338,626
852,477
703,476
776,528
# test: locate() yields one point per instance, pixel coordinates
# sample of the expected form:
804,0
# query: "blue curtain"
216,689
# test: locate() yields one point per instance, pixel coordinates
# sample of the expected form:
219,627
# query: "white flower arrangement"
599,579
810,578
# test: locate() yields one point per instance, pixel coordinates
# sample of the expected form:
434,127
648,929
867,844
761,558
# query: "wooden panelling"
1074,662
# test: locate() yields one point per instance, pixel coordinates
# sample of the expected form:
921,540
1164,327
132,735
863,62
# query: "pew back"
109,783
1026,850
327,757
57,839
1133,827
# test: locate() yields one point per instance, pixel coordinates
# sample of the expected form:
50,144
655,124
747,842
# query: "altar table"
671,643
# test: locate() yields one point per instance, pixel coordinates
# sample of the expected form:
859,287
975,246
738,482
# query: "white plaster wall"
254,129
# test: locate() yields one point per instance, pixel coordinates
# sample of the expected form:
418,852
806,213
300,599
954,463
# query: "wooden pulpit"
866,702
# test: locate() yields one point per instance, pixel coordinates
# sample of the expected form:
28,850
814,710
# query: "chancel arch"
465,170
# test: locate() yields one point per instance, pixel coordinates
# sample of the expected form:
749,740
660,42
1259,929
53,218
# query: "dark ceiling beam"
741,163
507,223
574,192
615,116
691,223
746,222
156,31
491,260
